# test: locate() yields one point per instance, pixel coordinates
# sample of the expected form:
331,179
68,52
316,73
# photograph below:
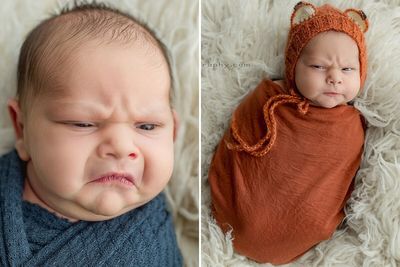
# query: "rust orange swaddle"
281,204
283,171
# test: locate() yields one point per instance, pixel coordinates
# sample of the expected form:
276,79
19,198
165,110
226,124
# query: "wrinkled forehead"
332,43
98,67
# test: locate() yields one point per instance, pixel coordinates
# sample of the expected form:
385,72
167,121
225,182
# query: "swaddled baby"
95,131
283,171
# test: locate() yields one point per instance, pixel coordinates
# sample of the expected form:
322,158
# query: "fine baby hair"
50,43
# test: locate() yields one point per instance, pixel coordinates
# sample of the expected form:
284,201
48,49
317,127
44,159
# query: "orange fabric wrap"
281,204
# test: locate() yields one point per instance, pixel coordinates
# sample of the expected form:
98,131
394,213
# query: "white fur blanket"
243,42
177,23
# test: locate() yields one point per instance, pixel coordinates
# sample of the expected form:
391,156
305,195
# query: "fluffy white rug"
243,42
177,23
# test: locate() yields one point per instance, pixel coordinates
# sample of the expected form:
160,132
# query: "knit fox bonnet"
307,21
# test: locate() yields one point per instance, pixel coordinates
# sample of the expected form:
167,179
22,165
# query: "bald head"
54,42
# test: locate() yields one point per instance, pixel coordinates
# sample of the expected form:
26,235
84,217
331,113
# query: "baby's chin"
110,204
107,204
327,103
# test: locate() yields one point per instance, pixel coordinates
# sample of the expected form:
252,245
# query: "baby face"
328,70
103,145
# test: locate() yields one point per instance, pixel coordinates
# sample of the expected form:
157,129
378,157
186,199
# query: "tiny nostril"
333,82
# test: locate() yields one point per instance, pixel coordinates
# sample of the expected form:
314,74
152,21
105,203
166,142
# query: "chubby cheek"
158,166
307,83
59,161
353,88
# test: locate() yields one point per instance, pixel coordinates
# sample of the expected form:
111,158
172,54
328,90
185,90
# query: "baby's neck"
316,105
30,195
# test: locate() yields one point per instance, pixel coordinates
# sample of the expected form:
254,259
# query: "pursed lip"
123,177
331,93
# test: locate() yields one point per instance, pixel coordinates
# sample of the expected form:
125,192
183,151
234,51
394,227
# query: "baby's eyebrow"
314,59
159,111
346,61
99,111
311,57
87,108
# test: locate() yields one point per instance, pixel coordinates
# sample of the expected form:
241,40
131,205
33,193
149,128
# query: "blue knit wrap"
142,237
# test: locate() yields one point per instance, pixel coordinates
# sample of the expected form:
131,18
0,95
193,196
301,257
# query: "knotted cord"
262,147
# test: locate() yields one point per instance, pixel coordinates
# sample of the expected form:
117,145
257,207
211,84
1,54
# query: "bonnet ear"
302,11
358,17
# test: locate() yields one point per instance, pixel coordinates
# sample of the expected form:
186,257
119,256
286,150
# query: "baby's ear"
302,11
17,121
359,18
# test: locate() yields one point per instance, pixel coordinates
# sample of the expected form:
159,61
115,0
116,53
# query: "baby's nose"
118,142
334,77
333,81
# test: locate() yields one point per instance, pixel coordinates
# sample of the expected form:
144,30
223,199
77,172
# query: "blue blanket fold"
142,237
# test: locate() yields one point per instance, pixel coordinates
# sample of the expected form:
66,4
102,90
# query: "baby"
94,146
283,172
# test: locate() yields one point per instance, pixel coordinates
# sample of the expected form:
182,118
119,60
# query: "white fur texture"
176,22
253,34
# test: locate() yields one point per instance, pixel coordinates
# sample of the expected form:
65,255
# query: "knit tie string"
262,147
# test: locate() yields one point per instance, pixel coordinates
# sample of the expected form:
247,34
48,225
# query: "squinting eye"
347,69
82,124
147,127
318,67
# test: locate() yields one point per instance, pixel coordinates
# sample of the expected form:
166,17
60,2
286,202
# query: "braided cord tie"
262,147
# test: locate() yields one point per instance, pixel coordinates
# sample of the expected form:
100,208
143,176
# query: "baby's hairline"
108,34
57,89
